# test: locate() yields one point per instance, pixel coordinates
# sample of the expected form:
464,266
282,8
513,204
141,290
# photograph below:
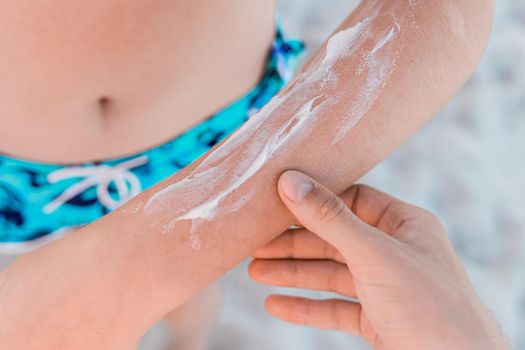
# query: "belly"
94,81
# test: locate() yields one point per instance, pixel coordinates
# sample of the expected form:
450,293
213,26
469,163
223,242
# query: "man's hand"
395,258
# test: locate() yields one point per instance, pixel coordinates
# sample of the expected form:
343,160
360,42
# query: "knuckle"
333,278
289,244
293,271
431,219
309,314
328,251
329,209
257,269
428,215
335,314
428,222
423,214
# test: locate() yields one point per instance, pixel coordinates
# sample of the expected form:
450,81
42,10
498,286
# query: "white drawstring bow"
101,176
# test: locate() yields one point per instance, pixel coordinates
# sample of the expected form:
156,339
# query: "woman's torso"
85,81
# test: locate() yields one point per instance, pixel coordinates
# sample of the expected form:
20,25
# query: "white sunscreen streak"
378,66
211,186
201,182
340,44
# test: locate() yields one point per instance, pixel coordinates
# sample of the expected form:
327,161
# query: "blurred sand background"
467,166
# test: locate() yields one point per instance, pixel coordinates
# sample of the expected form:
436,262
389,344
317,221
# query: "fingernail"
296,186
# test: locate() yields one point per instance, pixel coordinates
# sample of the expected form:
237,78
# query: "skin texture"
105,285
91,81
394,257
83,82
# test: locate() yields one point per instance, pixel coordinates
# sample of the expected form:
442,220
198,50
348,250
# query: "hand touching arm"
388,68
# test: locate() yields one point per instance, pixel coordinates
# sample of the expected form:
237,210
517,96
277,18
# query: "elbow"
478,20
458,29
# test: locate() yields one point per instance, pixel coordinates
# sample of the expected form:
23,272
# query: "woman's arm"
388,68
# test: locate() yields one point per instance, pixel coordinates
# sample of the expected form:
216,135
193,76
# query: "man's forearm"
388,69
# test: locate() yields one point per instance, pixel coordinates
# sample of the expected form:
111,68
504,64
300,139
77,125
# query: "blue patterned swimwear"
39,201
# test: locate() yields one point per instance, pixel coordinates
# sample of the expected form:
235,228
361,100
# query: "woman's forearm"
388,68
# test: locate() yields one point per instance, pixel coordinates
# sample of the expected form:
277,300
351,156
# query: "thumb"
325,214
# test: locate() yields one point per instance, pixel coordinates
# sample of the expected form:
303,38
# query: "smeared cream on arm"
385,72
352,70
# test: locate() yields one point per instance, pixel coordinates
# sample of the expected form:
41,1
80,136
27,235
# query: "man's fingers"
298,244
325,214
323,275
333,314
381,210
